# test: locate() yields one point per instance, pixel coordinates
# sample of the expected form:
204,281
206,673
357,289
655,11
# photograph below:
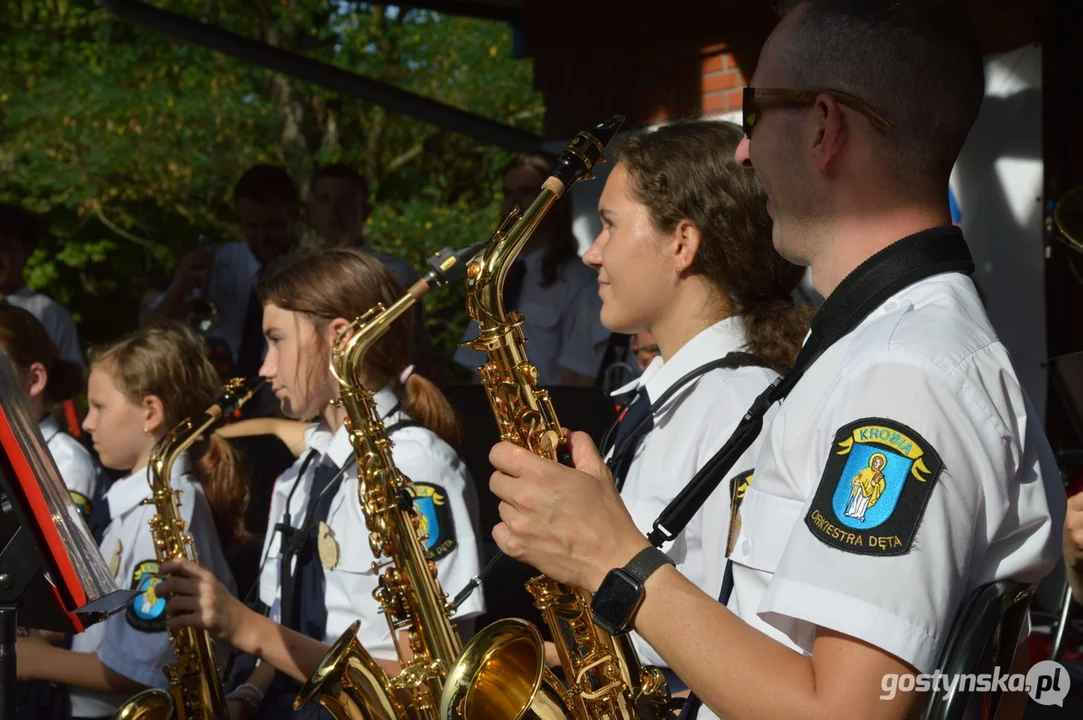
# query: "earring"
146,431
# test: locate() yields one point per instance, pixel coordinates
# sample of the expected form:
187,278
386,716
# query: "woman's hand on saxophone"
571,524
196,598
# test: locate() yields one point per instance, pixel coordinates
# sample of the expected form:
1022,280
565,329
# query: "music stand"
52,573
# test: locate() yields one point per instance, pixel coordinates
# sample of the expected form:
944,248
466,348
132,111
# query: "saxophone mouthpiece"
585,151
237,392
448,266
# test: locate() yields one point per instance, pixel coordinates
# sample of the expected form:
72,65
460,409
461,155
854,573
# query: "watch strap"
646,562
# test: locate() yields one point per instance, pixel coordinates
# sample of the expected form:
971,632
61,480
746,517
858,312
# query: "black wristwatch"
618,599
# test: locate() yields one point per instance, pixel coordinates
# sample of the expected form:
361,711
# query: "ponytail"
226,486
776,330
424,402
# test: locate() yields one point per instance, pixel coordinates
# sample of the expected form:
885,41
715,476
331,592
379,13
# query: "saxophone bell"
503,675
150,704
350,684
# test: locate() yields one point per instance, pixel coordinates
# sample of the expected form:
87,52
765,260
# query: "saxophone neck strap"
888,272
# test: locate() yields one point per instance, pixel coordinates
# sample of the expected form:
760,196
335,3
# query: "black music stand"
52,574
588,409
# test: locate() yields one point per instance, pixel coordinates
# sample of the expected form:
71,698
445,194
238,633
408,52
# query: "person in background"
20,232
645,349
268,208
338,208
48,379
549,284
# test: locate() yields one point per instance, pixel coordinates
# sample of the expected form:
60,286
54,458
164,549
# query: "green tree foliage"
129,142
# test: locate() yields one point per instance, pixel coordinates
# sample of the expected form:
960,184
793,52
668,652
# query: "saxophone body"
195,689
348,682
501,674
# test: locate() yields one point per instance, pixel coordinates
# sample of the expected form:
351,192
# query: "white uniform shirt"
134,642
561,323
56,319
427,461
229,285
928,360
688,430
75,463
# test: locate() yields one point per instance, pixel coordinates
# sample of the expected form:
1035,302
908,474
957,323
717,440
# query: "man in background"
19,235
338,209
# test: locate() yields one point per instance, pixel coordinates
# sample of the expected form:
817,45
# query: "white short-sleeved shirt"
924,383
688,430
561,323
437,473
56,319
75,463
229,286
134,642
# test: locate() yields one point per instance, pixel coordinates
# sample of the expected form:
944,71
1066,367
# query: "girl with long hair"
139,389
317,577
685,254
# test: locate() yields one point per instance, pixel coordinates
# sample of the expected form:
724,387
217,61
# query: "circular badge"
328,546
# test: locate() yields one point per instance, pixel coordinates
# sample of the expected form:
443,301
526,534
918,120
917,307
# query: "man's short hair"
341,171
18,223
916,62
266,184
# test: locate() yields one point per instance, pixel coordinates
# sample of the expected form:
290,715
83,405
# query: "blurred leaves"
130,141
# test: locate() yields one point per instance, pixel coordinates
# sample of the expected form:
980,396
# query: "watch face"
616,600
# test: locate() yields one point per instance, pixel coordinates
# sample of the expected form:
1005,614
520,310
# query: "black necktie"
634,424
513,285
304,588
99,519
250,352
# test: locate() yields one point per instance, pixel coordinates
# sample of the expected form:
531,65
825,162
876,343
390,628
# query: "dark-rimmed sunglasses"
751,113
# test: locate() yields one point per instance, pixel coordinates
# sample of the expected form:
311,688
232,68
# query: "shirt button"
746,547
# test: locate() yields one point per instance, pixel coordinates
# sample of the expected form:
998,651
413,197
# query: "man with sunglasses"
904,468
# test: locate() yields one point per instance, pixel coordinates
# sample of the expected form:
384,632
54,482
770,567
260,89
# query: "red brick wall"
593,59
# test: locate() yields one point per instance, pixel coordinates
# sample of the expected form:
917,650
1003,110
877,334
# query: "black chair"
582,408
984,636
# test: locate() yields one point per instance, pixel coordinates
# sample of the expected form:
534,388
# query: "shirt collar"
127,493
712,343
337,449
49,428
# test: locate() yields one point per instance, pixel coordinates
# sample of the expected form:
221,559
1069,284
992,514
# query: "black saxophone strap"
888,272
731,361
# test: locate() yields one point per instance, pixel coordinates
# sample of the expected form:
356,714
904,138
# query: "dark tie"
303,589
632,426
250,353
513,285
99,519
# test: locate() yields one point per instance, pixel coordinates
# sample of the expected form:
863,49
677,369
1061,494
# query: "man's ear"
153,414
831,131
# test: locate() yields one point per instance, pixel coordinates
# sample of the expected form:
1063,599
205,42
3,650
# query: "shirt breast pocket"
766,522
344,550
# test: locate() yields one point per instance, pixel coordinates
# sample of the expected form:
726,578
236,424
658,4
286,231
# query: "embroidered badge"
82,502
146,612
327,546
434,513
738,484
874,489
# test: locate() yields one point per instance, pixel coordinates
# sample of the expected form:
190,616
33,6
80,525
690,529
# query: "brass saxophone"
502,675
195,688
348,682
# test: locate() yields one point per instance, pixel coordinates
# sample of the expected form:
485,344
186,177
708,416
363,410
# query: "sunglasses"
751,110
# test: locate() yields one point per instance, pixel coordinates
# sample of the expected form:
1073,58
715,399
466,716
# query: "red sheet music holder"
51,571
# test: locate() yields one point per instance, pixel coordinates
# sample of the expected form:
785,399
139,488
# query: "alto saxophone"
348,682
195,688
502,675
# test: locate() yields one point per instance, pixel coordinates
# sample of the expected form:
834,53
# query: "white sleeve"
62,329
892,571
136,643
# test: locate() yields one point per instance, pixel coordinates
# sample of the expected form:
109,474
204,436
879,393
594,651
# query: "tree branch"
117,229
